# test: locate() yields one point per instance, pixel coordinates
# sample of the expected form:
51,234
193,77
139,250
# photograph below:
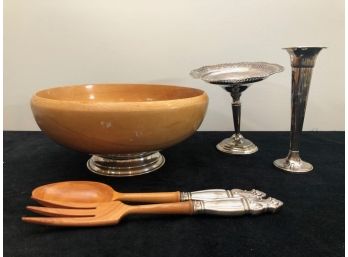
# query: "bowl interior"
119,93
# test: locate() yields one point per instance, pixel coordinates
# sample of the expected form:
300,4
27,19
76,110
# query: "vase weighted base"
293,163
125,165
237,144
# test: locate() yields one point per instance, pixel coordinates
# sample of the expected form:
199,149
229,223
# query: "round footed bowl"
123,126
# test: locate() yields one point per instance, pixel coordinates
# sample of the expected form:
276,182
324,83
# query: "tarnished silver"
213,194
302,63
125,165
235,78
237,206
236,73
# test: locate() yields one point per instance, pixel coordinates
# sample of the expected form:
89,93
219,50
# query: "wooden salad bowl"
123,125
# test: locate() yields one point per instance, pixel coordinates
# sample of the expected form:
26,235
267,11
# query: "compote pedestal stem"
236,109
236,144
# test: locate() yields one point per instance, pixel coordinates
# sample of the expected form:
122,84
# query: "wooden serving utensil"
88,194
110,213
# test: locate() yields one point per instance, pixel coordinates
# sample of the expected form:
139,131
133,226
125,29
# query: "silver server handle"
237,206
212,194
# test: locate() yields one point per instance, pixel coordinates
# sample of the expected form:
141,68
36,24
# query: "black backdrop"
311,223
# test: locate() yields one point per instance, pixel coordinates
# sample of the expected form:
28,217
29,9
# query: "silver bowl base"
237,144
125,165
293,163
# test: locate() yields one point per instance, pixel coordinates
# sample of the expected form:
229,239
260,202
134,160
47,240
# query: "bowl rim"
108,105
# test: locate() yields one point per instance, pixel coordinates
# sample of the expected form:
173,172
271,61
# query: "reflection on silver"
237,206
302,63
235,78
212,194
125,165
236,73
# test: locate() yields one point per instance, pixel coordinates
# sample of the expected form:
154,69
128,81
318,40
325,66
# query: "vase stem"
301,78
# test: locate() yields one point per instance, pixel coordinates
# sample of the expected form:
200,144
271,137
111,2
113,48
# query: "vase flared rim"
304,47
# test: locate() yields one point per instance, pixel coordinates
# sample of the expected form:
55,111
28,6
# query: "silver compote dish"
235,78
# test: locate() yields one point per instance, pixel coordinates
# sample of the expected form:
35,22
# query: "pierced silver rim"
263,69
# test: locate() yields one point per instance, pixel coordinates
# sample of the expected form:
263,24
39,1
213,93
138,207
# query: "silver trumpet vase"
302,63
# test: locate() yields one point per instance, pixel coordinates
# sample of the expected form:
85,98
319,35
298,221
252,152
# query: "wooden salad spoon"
88,194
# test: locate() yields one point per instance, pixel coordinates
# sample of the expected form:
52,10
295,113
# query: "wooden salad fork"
111,213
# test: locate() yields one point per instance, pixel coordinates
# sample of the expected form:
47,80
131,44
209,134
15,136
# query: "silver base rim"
237,145
293,164
125,165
